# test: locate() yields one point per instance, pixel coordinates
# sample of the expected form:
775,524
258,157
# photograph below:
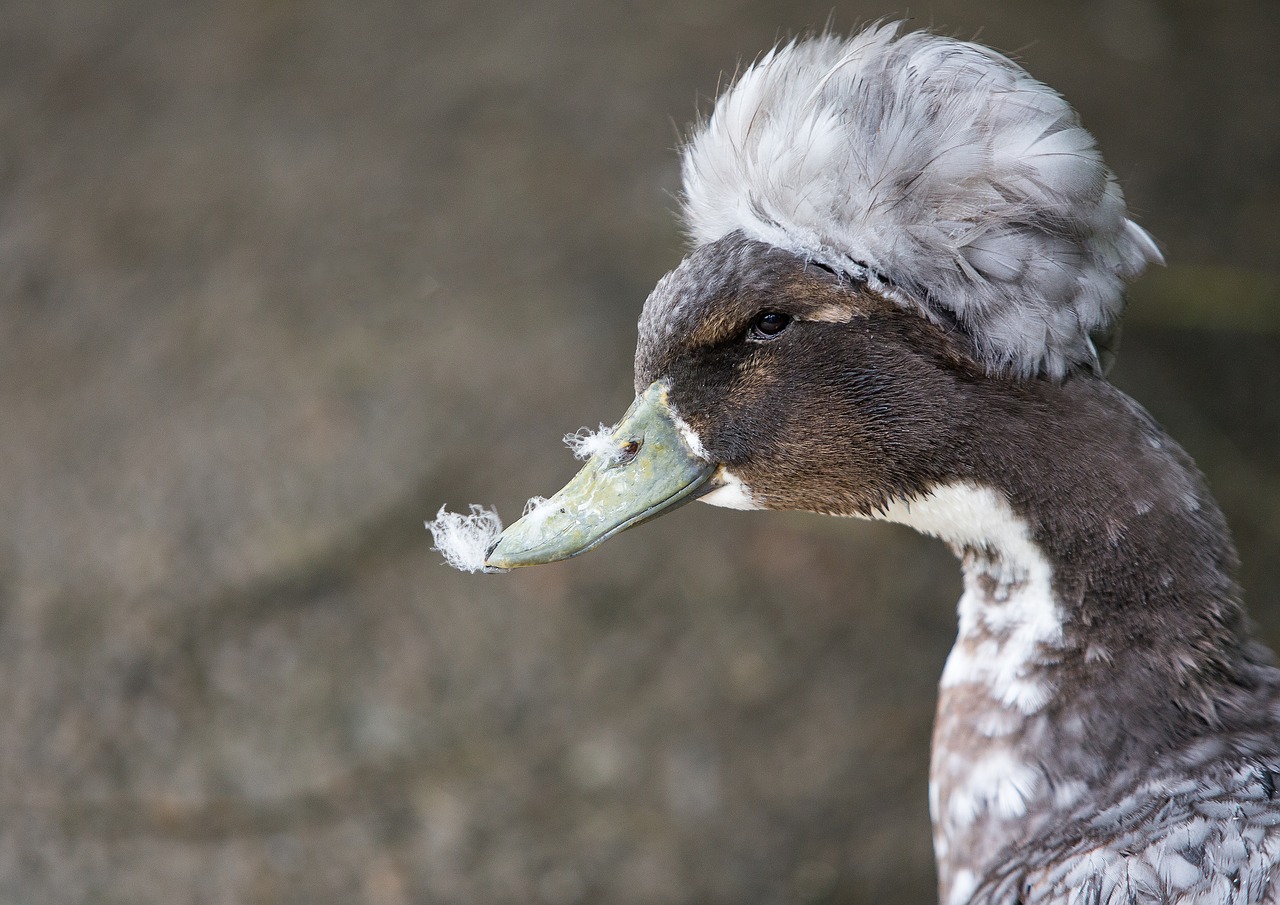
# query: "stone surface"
277,279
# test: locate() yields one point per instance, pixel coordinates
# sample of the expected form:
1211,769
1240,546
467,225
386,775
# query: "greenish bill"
647,468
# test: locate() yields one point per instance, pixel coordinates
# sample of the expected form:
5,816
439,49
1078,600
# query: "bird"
901,299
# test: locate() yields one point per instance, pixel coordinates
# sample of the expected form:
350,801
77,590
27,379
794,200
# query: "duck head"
764,380
883,226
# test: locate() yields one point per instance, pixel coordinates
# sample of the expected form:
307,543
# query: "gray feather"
939,170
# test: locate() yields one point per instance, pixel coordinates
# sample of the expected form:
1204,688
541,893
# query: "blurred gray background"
278,278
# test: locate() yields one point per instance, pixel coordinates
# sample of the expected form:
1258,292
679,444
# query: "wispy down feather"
585,443
937,166
463,540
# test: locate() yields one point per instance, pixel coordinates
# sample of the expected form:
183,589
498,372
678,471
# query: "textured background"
279,278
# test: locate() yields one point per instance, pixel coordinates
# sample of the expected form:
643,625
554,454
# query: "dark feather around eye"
769,324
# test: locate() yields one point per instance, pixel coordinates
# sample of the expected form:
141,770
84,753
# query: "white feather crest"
963,185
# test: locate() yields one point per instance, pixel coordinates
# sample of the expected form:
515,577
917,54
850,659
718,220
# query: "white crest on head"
933,167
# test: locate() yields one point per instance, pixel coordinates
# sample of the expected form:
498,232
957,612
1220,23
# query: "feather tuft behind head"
939,171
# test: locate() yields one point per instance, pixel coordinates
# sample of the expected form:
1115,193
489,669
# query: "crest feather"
937,169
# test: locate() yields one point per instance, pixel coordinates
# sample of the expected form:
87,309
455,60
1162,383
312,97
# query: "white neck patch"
995,683
1008,612
966,515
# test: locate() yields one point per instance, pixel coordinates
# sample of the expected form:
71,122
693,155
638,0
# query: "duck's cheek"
728,489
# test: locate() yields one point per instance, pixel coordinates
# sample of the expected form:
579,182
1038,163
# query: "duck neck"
1099,627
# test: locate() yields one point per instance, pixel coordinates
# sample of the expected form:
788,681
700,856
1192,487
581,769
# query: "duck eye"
769,324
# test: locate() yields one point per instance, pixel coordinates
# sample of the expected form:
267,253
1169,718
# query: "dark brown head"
807,386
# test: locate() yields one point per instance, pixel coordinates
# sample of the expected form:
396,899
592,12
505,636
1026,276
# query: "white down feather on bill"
942,168
463,540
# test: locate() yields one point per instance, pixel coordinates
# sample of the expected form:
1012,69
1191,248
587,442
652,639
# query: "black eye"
769,324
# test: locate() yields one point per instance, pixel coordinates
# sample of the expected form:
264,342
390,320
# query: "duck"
900,303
